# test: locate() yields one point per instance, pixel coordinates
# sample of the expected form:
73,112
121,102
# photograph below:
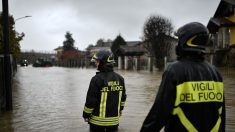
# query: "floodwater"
52,99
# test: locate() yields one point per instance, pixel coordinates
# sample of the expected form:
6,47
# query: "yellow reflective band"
105,100
183,119
103,104
88,110
122,103
189,42
109,60
217,125
103,123
105,118
108,121
199,92
220,110
119,102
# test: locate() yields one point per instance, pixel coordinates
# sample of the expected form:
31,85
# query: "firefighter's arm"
123,99
163,105
91,99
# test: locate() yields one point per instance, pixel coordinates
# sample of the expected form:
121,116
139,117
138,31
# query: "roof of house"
58,48
132,43
225,9
215,23
132,48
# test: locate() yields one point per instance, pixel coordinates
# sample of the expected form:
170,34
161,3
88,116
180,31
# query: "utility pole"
7,58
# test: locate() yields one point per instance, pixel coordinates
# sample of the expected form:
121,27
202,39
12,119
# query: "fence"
2,91
2,81
72,63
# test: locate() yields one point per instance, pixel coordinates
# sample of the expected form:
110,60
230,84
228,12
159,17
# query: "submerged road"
52,99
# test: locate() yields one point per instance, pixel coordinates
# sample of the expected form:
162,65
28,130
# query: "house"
129,55
131,48
69,54
126,52
69,58
59,52
104,46
222,29
134,55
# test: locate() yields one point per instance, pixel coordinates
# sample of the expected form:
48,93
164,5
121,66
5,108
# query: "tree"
118,41
157,30
68,44
14,38
100,42
88,48
109,41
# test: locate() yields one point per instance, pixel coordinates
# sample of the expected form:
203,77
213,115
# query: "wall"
2,93
232,29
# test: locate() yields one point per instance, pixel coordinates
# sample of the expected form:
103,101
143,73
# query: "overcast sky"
89,20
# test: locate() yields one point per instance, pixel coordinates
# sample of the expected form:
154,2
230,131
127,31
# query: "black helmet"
193,38
104,56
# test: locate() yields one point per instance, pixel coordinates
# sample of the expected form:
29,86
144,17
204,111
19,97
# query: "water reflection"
52,99
229,83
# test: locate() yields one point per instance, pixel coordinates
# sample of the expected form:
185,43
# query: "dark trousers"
95,128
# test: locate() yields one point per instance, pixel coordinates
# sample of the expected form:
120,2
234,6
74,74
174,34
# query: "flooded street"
52,100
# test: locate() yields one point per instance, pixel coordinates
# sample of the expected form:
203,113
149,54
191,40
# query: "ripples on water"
52,99
229,84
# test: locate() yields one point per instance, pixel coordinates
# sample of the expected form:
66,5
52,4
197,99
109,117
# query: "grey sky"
89,20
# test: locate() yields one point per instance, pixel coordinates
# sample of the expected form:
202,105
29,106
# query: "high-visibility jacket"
106,97
190,98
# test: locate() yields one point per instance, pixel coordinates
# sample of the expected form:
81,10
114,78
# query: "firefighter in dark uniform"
106,95
191,93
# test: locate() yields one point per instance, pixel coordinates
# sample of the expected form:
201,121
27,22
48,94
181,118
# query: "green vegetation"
68,44
14,38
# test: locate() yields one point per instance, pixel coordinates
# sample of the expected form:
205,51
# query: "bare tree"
157,30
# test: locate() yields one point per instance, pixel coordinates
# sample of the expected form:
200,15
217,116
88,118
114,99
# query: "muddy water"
52,99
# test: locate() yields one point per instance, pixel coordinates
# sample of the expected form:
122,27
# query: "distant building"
132,48
69,54
104,46
59,52
70,58
133,55
129,55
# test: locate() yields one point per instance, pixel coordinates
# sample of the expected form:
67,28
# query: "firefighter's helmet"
193,38
104,56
